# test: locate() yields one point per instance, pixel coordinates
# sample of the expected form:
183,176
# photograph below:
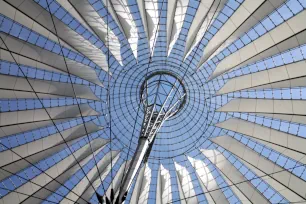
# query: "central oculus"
163,91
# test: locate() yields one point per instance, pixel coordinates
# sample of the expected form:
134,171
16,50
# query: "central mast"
162,95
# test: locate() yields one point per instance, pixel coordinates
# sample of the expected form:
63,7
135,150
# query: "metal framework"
152,101
162,95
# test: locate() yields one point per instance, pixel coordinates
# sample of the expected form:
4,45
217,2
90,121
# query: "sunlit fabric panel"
176,14
264,133
272,40
118,179
264,167
206,12
164,190
286,76
232,174
53,186
92,175
208,182
141,189
185,184
41,148
40,12
150,14
44,177
127,23
100,28
247,15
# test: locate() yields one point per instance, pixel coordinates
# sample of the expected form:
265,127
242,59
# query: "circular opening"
164,92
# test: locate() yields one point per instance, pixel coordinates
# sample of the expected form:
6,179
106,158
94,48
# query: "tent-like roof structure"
72,74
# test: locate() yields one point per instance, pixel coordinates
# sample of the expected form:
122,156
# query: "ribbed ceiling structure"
72,74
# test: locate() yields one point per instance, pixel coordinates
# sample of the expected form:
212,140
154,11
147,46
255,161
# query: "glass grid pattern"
183,135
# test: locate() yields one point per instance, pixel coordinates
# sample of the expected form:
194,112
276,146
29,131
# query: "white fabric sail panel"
234,176
152,18
291,118
186,184
243,199
137,187
71,37
52,186
19,87
177,22
22,60
266,134
286,76
116,182
246,83
145,186
265,108
287,152
291,83
277,186
88,193
15,129
92,175
142,11
29,116
53,172
163,189
112,12
248,14
101,29
207,194
180,191
208,183
171,8
289,34
206,12
286,183
289,107
85,47
8,10
10,128
13,94
41,148
127,23
158,196
142,186
68,7
27,54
